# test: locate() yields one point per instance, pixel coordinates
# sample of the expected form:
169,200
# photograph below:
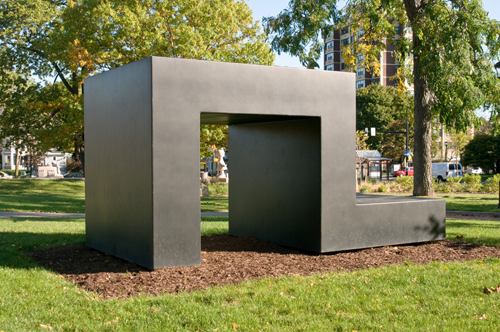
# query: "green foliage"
442,187
472,179
212,137
493,183
382,189
219,188
385,109
471,183
297,29
406,182
60,43
454,183
368,189
482,151
450,71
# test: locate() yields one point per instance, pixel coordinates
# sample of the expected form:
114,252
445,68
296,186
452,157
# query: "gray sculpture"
146,115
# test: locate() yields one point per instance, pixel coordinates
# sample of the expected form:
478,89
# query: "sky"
265,8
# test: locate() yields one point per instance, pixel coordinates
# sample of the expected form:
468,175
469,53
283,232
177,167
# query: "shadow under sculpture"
291,137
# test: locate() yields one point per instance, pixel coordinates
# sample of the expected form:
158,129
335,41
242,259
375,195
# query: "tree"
458,142
386,110
211,137
483,151
17,123
61,42
447,56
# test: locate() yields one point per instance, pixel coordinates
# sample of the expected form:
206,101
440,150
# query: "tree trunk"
422,162
18,158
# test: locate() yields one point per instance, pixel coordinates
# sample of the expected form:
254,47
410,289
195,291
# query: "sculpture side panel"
275,187
176,157
118,200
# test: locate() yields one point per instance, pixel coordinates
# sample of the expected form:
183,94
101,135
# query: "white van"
442,171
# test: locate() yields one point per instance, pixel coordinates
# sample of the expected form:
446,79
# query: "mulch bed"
227,259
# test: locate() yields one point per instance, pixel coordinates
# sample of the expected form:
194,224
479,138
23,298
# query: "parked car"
442,171
407,171
474,170
5,176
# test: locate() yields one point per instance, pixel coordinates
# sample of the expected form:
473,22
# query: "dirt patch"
227,259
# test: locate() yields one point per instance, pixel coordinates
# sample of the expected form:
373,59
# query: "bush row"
469,183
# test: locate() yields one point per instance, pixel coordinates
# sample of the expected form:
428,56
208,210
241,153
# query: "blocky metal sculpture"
142,153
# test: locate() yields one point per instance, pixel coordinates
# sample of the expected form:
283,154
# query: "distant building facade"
343,37
51,158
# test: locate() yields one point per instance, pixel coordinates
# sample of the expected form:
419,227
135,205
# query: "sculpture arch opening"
275,176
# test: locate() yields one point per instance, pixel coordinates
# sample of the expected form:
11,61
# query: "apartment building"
333,58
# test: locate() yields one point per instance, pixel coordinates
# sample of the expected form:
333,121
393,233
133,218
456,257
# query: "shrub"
382,189
454,183
472,183
406,182
219,188
493,183
441,187
368,189
472,179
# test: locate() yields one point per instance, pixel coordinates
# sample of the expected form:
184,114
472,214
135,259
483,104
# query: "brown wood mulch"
227,259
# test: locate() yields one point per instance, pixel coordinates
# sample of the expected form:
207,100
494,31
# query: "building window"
329,56
329,67
360,58
360,34
360,84
344,30
6,160
342,66
360,71
329,45
397,30
345,41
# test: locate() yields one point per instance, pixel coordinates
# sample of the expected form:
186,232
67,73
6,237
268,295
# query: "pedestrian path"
7,214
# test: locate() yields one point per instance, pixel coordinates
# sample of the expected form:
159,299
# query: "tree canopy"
446,53
55,44
386,110
483,151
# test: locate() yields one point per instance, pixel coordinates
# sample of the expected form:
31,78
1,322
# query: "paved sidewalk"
470,215
6,214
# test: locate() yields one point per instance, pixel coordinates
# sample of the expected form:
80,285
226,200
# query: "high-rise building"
333,58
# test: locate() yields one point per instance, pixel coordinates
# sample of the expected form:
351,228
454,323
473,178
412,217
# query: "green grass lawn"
42,195
471,202
214,204
408,297
64,196
69,196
